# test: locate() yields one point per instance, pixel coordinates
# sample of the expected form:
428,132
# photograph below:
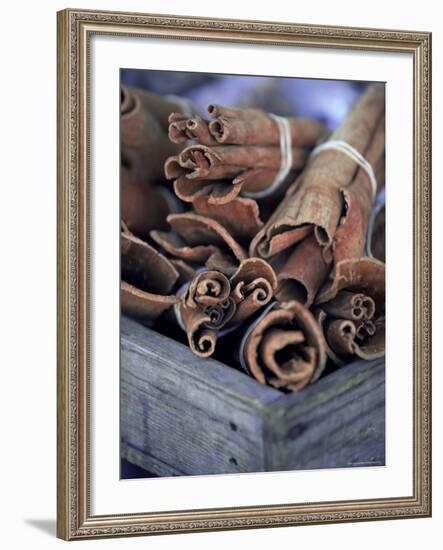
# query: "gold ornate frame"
75,28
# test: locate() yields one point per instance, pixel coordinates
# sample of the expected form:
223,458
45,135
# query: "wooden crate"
184,415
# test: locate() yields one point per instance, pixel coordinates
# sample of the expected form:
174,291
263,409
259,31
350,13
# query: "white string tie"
344,147
286,159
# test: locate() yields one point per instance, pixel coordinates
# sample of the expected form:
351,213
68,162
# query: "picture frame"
76,414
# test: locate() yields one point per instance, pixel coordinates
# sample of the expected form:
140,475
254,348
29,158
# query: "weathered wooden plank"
184,415
335,423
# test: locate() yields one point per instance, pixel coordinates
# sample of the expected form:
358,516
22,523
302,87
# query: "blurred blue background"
325,100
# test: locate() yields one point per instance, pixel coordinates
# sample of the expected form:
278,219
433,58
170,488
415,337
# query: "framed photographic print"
243,274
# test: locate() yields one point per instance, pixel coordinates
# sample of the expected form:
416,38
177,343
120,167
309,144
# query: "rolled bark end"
208,288
221,314
303,273
216,193
368,307
253,286
365,329
202,342
172,168
211,288
362,275
212,109
263,249
285,354
373,345
365,339
177,130
322,235
350,305
191,124
340,335
202,337
216,129
285,347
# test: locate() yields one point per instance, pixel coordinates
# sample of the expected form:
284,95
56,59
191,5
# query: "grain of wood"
335,423
183,415
196,415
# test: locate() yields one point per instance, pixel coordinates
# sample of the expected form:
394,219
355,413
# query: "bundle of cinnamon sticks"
262,234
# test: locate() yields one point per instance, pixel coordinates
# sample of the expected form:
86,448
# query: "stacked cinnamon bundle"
270,243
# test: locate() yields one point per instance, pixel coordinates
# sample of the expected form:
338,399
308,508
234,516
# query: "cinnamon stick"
148,278
201,339
256,127
349,305
366,277
144,149
304,272
182,129
249,168
285,348
354,273
314,202
205,308
301,279
253,286
350,237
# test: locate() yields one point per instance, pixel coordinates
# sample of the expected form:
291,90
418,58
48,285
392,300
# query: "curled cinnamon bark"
350,237
355,289
148,277
350,305
144,148
285,348
340,335
201,339
217,192
248,168
364,340
253,286
208,288
304,272
314,201
256,127
241,216
362,275
205,308
182,129
222,161
200,240
365,278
